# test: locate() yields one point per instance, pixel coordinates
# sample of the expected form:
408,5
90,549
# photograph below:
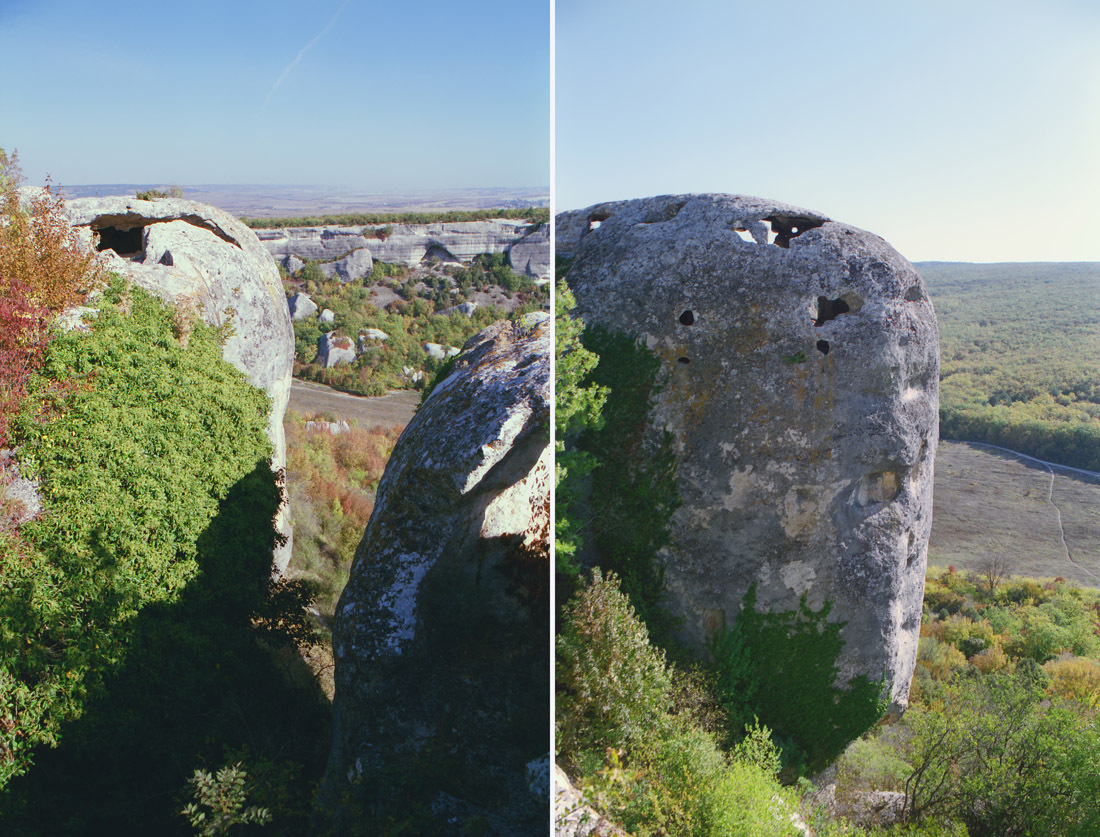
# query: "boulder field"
799,367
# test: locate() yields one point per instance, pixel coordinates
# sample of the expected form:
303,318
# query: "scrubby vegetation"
533,215
331,482
414,308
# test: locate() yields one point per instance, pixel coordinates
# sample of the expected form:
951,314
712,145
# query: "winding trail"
394,408
1050,466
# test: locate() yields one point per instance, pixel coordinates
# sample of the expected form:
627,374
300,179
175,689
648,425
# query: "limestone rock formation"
203,259
530,256
404,244
799,379
333,349
442,633
355,265
301,307
573,816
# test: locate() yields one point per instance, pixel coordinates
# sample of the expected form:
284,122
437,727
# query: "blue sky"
956,130
392,96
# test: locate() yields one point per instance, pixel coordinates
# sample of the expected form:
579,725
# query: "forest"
1018,345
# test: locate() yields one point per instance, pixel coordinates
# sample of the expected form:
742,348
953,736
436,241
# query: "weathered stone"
442,633
328,316
408,244
800,383
293,264
435,351
352,267
202,258
371,338
573,816
530,256
301,307
466,309
333,348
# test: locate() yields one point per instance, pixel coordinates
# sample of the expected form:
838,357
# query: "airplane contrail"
302,52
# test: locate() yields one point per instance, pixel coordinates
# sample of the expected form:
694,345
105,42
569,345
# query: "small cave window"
683,360
126,243
687,318
787,227
823,346
830,309
595,219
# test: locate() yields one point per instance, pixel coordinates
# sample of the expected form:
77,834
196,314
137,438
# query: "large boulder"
301,307
352,267
333,349
799,380
204,259
442,633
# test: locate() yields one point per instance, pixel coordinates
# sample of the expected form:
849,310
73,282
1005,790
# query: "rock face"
409,244
530,256
800,383
442,633
204,259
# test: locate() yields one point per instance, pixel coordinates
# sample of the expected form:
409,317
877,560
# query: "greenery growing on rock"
140,618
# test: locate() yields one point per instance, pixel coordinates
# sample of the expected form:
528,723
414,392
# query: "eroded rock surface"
442,633
800,374
204,260
352,249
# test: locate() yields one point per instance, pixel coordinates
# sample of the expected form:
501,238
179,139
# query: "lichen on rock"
442,633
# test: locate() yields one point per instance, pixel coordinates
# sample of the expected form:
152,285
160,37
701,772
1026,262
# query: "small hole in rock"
745,235
823,346
687,318
595,219
682,360
830,309
126,243
914,294
787,227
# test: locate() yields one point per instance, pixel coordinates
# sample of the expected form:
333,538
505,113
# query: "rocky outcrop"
573,816
204,260
301,307
350,249
799,379
530,256
442,633
333,349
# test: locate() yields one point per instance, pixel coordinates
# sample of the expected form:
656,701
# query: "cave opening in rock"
682,360
830,309
597,218
823,346
787,227
687,318
127,243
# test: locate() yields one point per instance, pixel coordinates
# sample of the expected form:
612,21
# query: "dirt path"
396,408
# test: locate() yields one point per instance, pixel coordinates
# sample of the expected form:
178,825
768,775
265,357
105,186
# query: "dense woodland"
533,215
1018,346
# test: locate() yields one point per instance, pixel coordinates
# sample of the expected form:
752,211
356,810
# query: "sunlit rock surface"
799,378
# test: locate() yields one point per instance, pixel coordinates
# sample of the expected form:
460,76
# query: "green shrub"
612,685
782,667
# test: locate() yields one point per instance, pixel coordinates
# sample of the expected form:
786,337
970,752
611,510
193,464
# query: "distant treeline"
1018,348
531,214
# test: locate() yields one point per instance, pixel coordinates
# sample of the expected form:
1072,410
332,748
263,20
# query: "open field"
1042,521
395,408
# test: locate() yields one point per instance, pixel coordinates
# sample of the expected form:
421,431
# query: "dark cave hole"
682,360
823,346
687,318
787,227
124,242
830,309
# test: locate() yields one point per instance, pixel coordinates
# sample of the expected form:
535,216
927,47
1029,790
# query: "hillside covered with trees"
1018,346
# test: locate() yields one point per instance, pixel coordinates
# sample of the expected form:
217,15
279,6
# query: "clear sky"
373,95
963,130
